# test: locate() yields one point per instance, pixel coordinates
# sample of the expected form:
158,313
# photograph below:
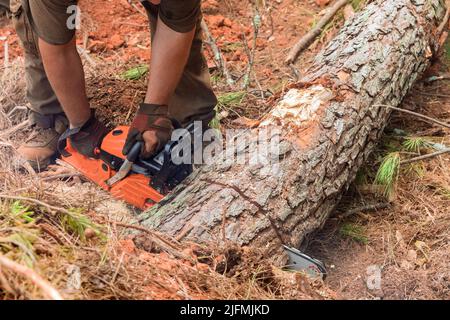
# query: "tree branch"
47,289
218,57
446,125
426,156
306,40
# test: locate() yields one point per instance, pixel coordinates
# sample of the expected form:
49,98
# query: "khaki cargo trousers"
193,99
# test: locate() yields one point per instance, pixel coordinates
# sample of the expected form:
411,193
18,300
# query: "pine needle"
415,144
387,174
231,99
135,73
354,232
78,223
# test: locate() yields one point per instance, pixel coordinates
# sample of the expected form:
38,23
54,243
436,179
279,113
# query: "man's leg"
46,115
40,94
4,5
52,22
194,98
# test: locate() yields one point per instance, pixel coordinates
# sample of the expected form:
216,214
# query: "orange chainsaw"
139,182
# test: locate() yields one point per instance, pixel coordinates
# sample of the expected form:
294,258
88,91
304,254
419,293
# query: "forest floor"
87,250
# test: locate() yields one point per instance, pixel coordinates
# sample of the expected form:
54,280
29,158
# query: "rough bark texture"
330,123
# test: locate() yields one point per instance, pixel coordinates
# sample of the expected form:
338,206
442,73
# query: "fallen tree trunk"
330,122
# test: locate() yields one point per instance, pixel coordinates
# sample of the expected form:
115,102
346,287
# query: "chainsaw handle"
135,151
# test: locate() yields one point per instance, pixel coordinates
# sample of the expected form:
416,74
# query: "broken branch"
370,207
218,57
47,289
424,117
444,24
38,202
306,40
164,244
427,156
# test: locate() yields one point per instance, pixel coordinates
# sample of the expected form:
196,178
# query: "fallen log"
329,122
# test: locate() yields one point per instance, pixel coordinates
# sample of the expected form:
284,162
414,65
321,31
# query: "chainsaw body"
144,182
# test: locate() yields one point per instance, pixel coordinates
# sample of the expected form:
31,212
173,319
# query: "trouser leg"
4,4
194,98
43,102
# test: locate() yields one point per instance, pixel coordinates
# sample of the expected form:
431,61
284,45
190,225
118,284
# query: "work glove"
85,139
152,126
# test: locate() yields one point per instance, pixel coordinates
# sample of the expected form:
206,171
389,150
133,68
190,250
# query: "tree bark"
329,122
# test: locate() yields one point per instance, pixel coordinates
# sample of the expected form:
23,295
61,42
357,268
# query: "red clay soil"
119,31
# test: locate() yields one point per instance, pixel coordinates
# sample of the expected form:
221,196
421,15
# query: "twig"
370,207
159,240
61,176
224,224
119,265
5,282
253,202
17,108
38,202
47,289
251,53
306,40
435,95
446,125
218,57
138,9
12,130
48,229
88,58
295,71
437,78
444,23
184,232
130,24
426,156
6,54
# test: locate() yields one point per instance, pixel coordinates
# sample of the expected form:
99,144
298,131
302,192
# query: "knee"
25,33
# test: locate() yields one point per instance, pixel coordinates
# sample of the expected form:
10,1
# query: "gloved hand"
151,125
85,139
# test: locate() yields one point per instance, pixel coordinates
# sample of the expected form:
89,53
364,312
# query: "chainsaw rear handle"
135,151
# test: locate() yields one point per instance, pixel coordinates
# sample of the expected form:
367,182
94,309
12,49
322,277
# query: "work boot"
40,149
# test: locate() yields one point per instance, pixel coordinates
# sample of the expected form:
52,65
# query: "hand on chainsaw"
151,125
